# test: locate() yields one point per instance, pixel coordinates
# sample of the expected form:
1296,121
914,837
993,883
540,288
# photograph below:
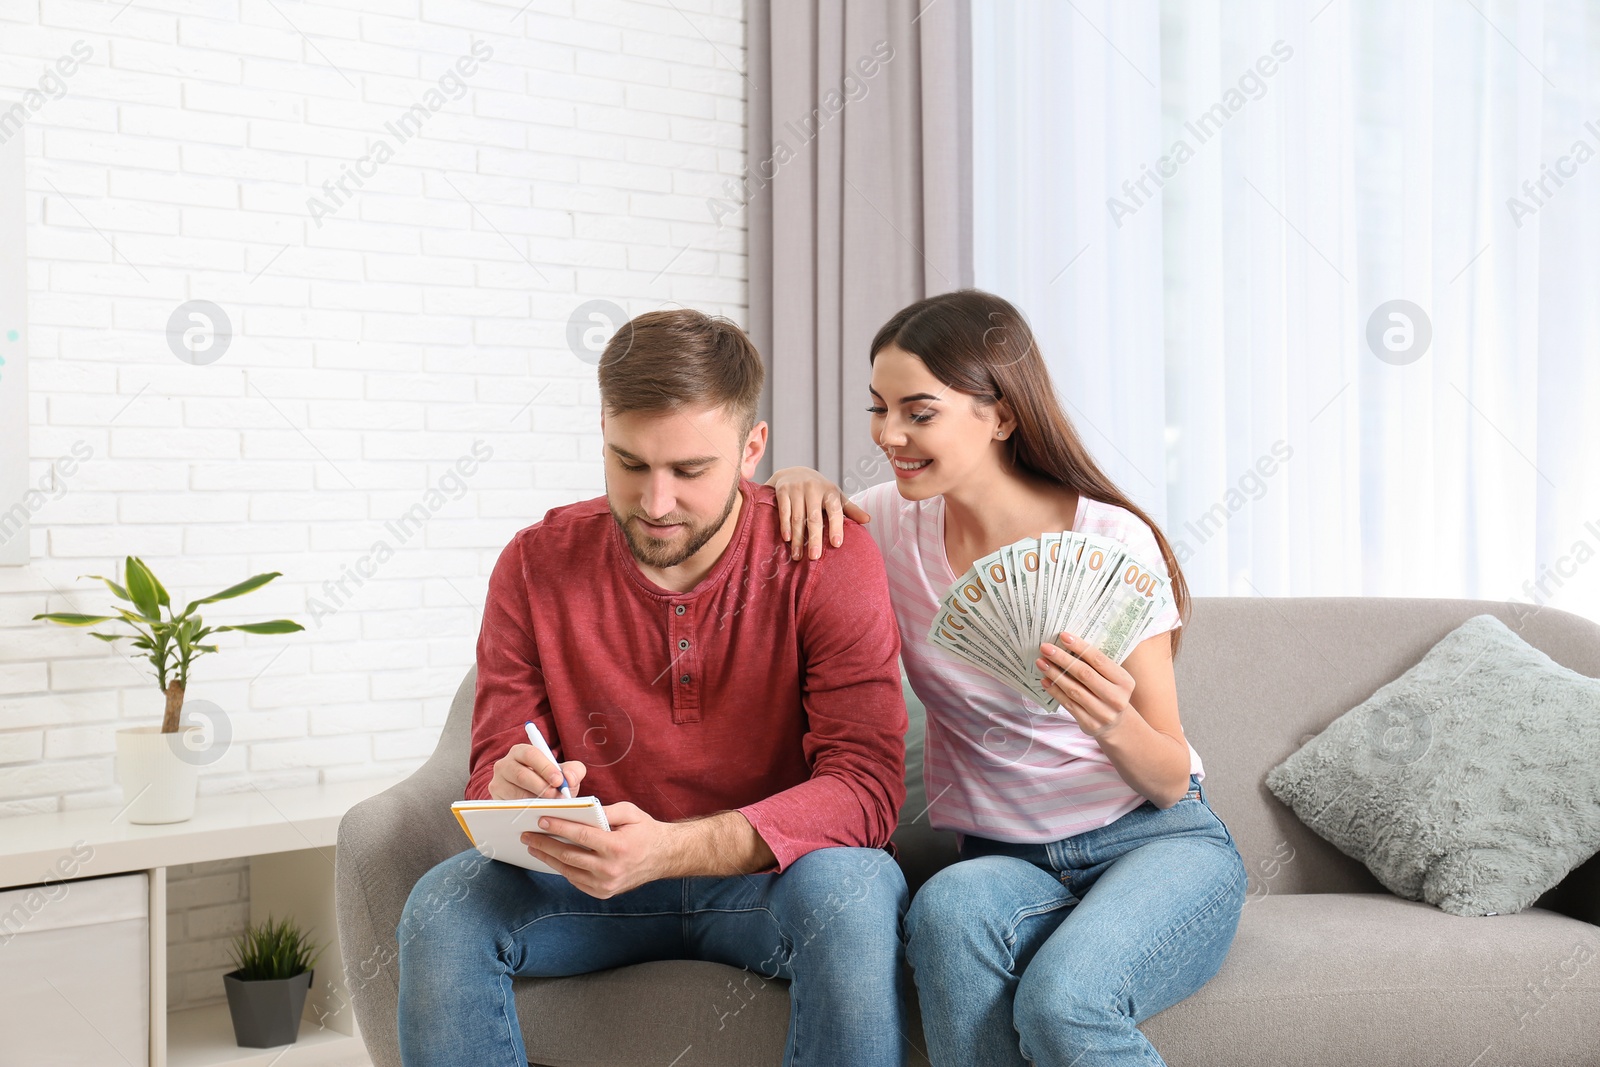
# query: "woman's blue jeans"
829,924
1052,954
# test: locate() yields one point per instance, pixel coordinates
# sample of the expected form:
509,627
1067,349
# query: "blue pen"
536,739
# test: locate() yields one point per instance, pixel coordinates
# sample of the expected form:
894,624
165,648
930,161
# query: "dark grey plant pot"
266,1014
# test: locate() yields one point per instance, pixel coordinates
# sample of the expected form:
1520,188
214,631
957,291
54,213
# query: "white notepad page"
495,827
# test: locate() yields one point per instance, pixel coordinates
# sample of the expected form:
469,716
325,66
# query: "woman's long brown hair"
978,343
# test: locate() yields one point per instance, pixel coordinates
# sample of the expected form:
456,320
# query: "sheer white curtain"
1209,212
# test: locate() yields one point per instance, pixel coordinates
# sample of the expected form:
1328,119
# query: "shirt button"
678,610
684,679
683,643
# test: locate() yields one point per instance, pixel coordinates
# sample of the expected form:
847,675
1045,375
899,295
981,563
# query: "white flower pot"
158,784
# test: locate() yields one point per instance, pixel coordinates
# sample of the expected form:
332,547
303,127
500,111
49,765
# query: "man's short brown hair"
662,361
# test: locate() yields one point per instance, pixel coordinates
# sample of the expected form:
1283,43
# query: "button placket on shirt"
684,673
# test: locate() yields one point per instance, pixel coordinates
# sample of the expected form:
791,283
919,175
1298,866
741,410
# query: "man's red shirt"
771,688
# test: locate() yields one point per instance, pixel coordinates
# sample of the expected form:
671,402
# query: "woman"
1095,886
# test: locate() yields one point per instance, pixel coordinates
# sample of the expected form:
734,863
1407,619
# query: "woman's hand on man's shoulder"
808,504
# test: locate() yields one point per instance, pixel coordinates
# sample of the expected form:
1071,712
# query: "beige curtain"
859,201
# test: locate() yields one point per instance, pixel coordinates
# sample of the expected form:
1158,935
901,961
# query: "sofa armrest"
385,844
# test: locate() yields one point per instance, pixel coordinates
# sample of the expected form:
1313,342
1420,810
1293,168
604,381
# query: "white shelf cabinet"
97,929
75,972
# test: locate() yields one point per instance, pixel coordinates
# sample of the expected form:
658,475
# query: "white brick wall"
207,905
370,352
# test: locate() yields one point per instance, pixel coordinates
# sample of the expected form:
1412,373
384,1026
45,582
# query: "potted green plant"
158,768
267,989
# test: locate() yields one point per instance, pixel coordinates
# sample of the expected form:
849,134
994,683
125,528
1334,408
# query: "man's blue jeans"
1052,954
830,925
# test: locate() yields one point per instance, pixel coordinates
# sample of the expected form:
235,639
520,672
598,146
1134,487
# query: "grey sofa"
1328,968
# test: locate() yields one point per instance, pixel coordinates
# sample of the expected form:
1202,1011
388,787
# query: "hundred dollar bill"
997,577
1012,592
1126,607
1049,556
1119,627
1075,550
1010,601
945,635
1088,578
1072,579
1025,571
1060,583
974,600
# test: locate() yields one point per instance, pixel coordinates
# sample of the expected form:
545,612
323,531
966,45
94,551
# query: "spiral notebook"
495,827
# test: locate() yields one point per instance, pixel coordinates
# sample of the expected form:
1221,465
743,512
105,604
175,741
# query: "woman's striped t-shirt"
996,765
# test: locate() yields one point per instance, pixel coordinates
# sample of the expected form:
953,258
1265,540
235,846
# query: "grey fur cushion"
1472,781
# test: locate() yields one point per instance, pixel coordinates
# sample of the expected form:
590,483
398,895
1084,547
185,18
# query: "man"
739,713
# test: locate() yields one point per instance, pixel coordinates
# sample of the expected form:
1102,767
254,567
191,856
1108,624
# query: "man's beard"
662,555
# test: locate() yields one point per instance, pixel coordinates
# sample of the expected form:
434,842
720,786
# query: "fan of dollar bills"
1013,600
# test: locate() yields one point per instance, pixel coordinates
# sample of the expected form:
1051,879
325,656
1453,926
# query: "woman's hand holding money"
1097,691
802,496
